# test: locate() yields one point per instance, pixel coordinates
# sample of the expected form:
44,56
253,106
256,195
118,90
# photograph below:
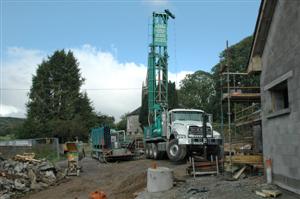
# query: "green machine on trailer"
177,132
110,145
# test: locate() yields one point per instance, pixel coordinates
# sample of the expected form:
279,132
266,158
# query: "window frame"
270,89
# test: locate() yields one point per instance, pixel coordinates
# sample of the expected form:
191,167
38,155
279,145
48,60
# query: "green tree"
10,126
143,117
197,91
172,103
105,120
203,90
172,96
236,56
122,124
56,106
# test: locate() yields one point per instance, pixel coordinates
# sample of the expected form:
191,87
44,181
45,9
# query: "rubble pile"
23,174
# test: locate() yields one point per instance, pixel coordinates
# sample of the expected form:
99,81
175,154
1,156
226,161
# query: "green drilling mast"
157,78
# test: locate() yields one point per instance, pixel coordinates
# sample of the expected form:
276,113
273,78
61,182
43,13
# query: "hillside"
9,125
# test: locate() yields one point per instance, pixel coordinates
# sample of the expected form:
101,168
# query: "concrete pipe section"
159,179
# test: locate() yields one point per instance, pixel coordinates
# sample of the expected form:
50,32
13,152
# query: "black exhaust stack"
204,127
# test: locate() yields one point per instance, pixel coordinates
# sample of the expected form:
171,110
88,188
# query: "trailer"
109,145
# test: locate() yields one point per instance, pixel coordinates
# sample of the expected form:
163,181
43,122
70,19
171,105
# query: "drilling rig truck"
177,132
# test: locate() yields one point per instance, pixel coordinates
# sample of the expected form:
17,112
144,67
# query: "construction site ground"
128,180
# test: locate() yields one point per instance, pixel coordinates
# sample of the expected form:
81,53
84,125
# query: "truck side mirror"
205,120
210,118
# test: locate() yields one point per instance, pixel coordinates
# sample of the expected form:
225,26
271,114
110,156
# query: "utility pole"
222,119
228,103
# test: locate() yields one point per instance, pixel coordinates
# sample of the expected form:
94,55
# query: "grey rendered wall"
281,135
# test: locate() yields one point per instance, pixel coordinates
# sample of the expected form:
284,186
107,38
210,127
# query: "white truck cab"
185,133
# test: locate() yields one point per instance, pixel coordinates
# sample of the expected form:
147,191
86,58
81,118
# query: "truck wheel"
150,151
183,152
147,151
175,151
155,151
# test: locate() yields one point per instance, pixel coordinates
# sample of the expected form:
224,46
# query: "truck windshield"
187,115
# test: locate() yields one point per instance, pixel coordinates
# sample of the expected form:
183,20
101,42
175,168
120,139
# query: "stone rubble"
18,177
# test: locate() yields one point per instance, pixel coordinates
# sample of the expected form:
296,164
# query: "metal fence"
43,147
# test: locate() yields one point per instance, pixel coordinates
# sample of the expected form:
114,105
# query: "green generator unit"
108,145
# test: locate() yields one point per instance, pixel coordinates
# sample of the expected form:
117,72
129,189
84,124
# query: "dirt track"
122,180
118,180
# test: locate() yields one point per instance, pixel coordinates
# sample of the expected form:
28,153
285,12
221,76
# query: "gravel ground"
212,187
128,179
117,180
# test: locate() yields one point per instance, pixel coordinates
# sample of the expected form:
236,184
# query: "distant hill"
9,125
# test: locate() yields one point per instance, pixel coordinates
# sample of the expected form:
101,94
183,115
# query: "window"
279,97
187,115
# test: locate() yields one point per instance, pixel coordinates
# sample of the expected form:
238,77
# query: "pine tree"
172,96
56,106
172,103
143,116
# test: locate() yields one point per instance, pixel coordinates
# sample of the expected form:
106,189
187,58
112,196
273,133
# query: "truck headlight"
217,136
180,136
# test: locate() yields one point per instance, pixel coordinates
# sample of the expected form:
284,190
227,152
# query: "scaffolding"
243,109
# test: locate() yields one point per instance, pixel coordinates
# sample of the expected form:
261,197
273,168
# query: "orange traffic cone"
154,165
98,195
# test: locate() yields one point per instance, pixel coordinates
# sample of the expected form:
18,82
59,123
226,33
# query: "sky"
110,40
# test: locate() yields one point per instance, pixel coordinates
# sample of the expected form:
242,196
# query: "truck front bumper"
200,141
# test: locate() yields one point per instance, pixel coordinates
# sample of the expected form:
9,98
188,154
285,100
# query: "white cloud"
7,110
178,77
17,71
157,5
19,67
121,81
112,86
157,2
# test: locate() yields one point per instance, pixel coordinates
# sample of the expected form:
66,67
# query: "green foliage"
105,120
47,153
122,124
7,137
203,90
197,91
10,126
172,96
172,103
237,58
56,106
143,117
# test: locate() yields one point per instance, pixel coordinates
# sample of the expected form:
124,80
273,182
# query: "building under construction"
275,55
